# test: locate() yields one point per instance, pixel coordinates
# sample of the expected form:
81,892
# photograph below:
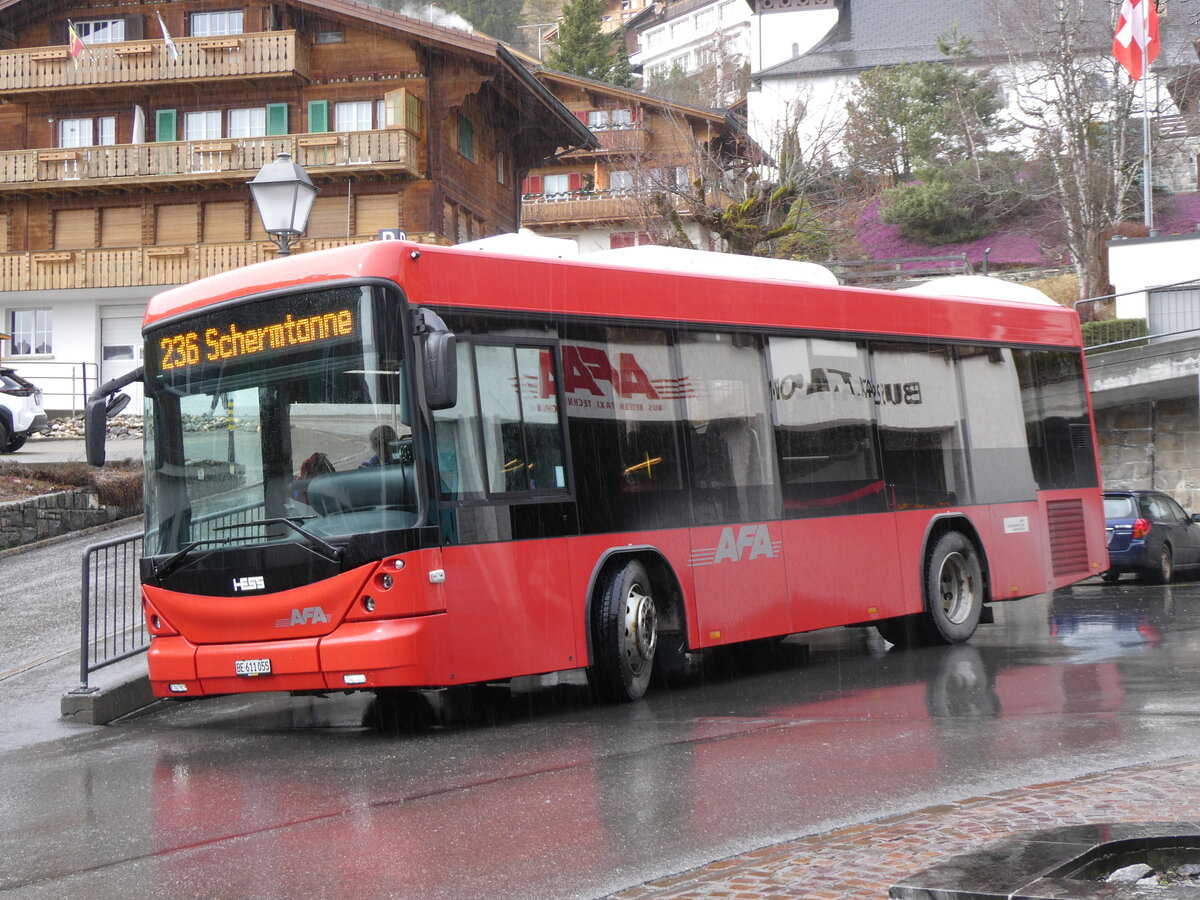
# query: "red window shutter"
637,114
621,239
581,115
532,185
643,238
575,182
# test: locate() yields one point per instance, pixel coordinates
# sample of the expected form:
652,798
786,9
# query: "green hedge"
1110,331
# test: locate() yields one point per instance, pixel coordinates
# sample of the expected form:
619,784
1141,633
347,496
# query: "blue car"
1150,535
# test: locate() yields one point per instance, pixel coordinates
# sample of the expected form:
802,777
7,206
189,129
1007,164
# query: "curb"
100,706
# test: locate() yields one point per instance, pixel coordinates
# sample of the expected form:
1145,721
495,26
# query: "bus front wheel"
625,634
953,589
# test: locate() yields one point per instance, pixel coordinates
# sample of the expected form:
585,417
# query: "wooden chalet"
128,132
648,151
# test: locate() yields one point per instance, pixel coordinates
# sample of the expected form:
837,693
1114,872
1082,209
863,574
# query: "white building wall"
68,373
1140,264
686,38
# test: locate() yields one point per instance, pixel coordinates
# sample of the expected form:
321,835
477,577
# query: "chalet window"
557,184
402,109
208,24
202,126
74,229
330,37
31,332
352,116
706,19
501,175
620,181
247,122
98,132
177,223
466,137
100,31
121,226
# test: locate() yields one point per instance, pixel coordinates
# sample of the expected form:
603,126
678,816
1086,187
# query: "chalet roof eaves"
714,115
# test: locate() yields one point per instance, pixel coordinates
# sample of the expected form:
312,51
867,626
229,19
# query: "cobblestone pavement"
863,861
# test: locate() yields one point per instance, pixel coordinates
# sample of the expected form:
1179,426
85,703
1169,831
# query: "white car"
21,412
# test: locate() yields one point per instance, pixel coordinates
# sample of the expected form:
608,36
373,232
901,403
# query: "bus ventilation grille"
1068,540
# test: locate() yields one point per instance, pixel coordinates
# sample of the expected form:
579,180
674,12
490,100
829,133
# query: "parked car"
21,412
1149,534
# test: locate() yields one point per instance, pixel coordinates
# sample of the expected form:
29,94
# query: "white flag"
171,48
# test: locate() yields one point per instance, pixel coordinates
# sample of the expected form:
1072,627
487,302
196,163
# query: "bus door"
737,562
504,511
840,539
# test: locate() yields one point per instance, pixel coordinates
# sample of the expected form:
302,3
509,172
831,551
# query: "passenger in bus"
316,464
382,440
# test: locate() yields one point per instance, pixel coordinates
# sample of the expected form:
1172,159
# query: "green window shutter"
318,116
466,137
277,118
164,125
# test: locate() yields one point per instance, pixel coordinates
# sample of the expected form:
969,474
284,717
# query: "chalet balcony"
633,138
54,270
45,71
579,207
230,161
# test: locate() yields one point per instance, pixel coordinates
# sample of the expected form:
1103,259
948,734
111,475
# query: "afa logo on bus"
743,543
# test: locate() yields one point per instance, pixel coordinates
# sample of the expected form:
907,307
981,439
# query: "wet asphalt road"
536,792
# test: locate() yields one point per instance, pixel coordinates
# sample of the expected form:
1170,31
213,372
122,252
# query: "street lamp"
284,195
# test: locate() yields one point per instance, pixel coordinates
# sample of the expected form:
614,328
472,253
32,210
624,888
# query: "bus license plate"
252,666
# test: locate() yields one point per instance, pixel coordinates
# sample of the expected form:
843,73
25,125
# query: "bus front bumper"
409,652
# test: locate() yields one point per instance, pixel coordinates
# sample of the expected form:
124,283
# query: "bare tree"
742,198
1074,101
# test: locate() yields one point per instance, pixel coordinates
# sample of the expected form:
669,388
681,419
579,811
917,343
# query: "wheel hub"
641,629
956,589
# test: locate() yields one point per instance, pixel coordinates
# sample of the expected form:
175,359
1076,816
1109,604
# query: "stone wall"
1153,444
26,521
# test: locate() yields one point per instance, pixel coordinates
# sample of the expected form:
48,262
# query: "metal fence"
112,627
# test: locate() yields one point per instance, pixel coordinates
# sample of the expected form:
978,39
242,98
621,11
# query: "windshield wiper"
327,549
172,562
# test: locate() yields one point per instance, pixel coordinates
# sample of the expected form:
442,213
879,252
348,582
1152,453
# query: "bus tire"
953,589
624,634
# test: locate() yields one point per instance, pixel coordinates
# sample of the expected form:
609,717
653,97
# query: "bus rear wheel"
624,635
953,589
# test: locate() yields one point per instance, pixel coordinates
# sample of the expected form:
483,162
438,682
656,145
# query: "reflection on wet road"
537,792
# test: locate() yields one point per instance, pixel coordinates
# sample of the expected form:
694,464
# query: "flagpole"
1147,184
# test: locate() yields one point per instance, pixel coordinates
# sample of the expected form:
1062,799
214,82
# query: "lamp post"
283,194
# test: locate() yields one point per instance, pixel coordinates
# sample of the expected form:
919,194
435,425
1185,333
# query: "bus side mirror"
94,421
440,362
441,370
103,403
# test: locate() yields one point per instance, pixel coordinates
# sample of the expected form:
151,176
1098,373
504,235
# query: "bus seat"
391,486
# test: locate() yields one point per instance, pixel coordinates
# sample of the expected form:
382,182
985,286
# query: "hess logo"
249,583
745,542
310,615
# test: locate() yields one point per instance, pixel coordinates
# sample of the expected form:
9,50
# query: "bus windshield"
289,408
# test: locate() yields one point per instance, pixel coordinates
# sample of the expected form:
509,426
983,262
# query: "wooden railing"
552,209
390,150
55,270
43,69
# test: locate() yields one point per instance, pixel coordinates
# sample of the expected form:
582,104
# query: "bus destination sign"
227,341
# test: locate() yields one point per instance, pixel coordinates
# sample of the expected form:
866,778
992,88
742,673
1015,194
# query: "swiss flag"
1137,36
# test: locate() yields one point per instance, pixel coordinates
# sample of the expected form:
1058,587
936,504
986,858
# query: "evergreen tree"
584,50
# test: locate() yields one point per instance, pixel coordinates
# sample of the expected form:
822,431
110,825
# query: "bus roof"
614,284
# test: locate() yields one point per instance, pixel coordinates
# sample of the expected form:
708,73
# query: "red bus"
392,465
